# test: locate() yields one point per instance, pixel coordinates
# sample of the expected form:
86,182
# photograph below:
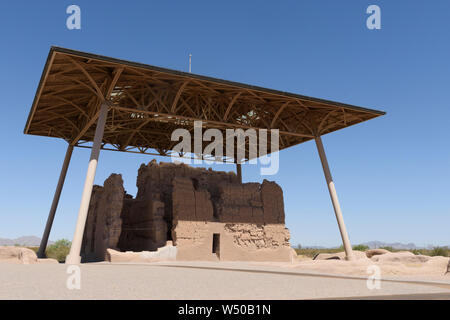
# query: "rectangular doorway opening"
216,244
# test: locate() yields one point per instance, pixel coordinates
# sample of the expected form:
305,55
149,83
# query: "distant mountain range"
378,244
395,245
26,241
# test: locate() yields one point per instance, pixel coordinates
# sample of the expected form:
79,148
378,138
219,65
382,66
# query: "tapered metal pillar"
51,214
239,172
334,199
74,254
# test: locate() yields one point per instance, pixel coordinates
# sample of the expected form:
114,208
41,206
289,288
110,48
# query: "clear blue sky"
392,174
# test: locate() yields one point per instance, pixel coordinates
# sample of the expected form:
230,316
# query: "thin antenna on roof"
190,62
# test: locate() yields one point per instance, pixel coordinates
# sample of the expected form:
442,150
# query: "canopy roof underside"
147,103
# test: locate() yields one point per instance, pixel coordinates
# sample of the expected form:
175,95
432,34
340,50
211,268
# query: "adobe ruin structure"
205,214
102,103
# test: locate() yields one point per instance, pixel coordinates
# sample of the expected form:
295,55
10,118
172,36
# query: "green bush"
58,250
360,247
439,251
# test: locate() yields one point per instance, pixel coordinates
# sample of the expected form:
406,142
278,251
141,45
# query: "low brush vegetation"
360,247
440,251
58,250
311,252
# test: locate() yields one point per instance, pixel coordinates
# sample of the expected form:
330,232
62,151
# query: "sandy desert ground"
211,280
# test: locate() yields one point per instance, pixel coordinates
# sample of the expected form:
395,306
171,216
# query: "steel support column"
74,254
51,214
334,199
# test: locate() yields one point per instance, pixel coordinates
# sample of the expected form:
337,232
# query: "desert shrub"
360,247
439,251
58,250
312,252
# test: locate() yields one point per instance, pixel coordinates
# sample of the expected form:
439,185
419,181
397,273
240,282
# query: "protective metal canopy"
147,103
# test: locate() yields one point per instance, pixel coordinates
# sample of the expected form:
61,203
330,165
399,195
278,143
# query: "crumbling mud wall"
208,215
241,222
143,224
158,179
104,224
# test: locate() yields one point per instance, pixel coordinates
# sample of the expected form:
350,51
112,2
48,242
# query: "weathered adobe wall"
262,242
158,179
188,205
103,225
248,217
